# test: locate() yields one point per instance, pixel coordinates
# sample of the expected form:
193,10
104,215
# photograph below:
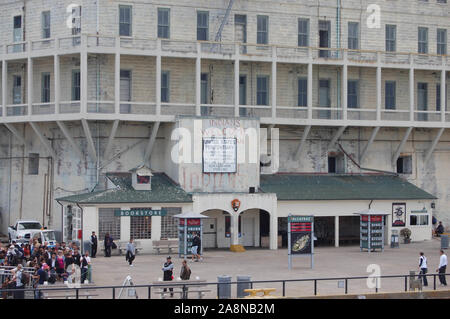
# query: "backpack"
25,278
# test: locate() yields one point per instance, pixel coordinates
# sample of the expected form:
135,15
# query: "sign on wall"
300,237
219,155
140,212
398,214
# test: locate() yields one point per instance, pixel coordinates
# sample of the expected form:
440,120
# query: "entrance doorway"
247,231
349,230
324,230
210,233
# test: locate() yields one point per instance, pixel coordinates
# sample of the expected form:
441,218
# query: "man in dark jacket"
108,245
168,273
94,243
196,246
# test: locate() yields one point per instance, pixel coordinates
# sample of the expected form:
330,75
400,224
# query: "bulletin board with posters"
372,232
219,155
300,237
186,229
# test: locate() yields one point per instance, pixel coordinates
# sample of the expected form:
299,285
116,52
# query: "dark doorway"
264,228
282,231
348,230
324,231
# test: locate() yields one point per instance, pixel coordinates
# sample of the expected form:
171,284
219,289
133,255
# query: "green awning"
341,187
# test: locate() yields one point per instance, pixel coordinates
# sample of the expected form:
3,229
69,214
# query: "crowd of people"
35,263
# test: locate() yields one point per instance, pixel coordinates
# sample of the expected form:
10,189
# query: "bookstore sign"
140,212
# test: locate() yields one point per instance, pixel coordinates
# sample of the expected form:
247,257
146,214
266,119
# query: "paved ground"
263,264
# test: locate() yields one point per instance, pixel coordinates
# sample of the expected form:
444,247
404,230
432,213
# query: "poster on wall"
219,155
398,214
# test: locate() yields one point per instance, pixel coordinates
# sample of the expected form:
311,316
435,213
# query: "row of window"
262,90
140,226
262,36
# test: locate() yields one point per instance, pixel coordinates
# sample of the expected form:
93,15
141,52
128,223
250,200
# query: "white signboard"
219,155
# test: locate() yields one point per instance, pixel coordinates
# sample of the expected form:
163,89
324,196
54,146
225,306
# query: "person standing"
94,243
423,268
185,273
108,245
20,294
168,273
196,246
442,268
85,262
131,252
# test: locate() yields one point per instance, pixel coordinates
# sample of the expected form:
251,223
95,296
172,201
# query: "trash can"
224,287
242,284
394,241
444,242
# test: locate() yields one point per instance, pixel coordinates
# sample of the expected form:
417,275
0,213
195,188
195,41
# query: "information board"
186,235
219,155
371,232
300,237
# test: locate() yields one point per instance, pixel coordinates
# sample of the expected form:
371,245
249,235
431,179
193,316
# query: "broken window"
404,165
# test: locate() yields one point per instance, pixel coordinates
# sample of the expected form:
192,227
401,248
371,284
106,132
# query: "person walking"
195,249
131,252
423,268
94,243
168,273
442,268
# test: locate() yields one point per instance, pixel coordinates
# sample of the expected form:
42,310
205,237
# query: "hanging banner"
398,214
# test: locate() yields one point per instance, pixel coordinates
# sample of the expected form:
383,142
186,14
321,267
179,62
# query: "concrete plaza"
263,264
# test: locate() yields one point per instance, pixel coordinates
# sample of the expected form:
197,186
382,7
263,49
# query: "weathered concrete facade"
108,132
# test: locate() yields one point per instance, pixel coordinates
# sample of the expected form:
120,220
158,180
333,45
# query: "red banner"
190,221
374,218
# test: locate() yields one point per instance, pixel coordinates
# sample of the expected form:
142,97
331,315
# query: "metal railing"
284,283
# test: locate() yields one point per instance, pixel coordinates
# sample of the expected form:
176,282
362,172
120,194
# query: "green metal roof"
164,190
341,187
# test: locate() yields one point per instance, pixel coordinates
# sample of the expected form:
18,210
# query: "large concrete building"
343,102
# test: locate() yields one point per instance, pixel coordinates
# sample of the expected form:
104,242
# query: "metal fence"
78,292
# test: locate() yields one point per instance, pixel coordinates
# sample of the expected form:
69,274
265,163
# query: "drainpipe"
338,46
62,220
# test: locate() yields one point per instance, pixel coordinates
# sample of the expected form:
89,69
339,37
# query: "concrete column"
30,85
4,86
310,90
344,87
90,222
336,231
274,82
273,227
117,80
57,77
443,95
125,226
84,74
158,78
379,102
411,94
156,225
234,229
236,80
198,68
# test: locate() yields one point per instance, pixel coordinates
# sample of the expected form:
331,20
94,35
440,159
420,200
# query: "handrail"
251,282
240,44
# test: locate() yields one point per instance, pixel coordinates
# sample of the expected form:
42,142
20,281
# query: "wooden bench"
122,247
69,293
253,292
168,244
199,289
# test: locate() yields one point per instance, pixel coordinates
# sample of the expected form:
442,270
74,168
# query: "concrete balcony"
234,58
